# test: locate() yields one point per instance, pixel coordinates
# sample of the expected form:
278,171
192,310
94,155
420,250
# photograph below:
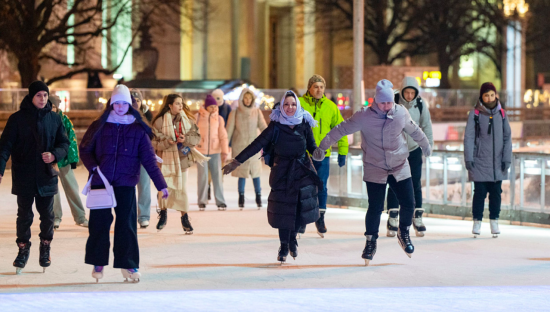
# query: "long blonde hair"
167,101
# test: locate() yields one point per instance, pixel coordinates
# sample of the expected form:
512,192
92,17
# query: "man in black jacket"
35,139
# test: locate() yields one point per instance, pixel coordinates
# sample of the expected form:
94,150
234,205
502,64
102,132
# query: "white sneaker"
56,224
144,224
83,224
476,230
494,226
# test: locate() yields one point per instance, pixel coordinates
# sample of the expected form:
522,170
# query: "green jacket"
328,116
72,154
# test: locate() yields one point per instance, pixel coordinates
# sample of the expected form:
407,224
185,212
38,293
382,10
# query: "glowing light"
512,7
117,76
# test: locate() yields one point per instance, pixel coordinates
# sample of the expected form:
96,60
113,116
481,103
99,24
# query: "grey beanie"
384,91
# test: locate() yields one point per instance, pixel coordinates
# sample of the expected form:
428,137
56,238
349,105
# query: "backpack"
419,102
476,120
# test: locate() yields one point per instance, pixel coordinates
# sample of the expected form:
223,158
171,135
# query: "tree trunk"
444,64
28,68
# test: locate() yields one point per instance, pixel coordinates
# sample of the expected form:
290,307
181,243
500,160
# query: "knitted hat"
384,91
121,94
136,94
209,101
218,93
486,87
36,87
315,78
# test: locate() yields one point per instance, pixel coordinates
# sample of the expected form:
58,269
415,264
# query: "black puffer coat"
293,179
30,175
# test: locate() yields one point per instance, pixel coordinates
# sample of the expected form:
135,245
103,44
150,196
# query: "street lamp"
513,7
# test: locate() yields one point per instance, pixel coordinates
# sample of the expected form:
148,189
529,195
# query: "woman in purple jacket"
119,142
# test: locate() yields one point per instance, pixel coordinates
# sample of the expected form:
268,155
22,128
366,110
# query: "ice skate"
132,274
222,207
22,257
293,248
209,196
162,219
320,224
301,230
393,222
259,200
83,224
370,249
143,224
476,230
97,273
405,241
56,223
44,258
186,224
494,227
418,225
202,207
241,201
283,252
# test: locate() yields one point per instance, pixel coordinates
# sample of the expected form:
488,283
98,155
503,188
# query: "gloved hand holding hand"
505,166
164,193
319,154
469,165
227,169
427,151
341,160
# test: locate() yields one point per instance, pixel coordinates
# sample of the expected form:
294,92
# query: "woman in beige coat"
242,128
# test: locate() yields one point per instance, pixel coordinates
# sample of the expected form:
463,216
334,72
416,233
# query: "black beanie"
36,87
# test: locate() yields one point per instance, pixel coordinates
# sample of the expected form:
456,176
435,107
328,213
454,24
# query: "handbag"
99,198
192,138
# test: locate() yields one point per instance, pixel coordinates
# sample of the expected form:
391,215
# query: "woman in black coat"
293,179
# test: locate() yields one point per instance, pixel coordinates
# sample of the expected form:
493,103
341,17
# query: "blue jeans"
323,170
257,186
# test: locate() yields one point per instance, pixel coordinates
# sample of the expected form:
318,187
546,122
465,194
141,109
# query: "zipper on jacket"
494,164
321,126
385,160
116,151
209,116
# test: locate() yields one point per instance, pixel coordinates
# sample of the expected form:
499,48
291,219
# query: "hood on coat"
241,103
205,114
379,112
28,107
410,82
486,111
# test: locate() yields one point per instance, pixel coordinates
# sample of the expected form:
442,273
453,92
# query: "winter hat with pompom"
384,91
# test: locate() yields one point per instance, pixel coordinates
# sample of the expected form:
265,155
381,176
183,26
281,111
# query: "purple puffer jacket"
119,150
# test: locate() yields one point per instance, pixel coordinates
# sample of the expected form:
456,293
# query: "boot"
44,259
320,224
209,197
259,200
405,241
283,252
476,230
393,222
241,200
56,223
494,227
22,256
293,247
418,225
162,219
301,230
370,249
186,224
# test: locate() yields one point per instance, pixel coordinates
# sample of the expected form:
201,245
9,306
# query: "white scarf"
123,120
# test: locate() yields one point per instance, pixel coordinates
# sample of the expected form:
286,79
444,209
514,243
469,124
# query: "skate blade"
390,233
43,270
299,235
188,232
97,280
409,255
142,227
321,234
420,233
476,235
367,261
495,235
18,271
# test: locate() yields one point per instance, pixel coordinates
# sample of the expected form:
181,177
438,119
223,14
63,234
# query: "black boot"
405,241
320,224
162,219
186,224
22,256
241,200
293,248
283,252
259,200
370,249
209,197
44,259
222,207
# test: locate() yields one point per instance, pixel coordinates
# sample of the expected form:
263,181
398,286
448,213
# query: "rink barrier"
448,193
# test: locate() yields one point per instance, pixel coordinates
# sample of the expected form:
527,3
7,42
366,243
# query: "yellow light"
160,102
425,75
511,7
149,102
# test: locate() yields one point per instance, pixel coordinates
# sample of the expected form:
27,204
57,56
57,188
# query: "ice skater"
118,143
293,179
488,155
385,162
35,139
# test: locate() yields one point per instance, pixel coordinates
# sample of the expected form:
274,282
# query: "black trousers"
377,194
415,162
125,249
25,216
480,193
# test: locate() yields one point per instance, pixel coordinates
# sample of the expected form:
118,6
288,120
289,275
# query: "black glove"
341,160
73,166
505,166
227,169
469,165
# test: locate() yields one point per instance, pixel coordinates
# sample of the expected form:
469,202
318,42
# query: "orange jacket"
213,134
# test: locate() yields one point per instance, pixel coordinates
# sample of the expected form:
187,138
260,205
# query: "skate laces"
405,236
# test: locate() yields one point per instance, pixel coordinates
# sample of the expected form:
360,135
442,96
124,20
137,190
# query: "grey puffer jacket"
384,147
424,120
491,148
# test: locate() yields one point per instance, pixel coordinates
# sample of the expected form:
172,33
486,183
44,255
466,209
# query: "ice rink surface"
229,264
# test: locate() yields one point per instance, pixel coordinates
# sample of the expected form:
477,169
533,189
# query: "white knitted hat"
121,93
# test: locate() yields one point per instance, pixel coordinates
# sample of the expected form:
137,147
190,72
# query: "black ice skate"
209,197
186,224
320,224
44,259
293,248
393,222
418,225
22,256
241,201
405,241
259,200
222,207
202,207
301,230
283,252
370,249
162,219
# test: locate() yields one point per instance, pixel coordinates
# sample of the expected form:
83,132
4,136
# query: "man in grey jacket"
384,160
487,154
420,114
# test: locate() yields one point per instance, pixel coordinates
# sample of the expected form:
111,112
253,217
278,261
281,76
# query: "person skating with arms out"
385,162
328,116
488,155
410,98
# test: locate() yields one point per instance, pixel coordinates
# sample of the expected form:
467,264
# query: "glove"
73,166
470,165
505,166
341,160
164,193
318,154
427,151
227,169
159,160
